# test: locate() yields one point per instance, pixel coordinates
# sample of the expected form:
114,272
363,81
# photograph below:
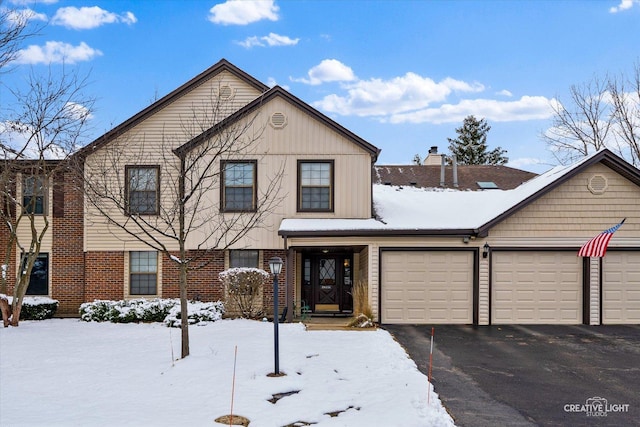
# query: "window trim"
223,186
232,251
299,187
130,272
127,191
44,194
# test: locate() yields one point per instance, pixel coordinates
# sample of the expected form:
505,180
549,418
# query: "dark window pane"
143,284
33,194
243,258
239,198
316,198
39,279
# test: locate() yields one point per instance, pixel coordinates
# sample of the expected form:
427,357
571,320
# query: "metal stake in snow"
430,364
233,385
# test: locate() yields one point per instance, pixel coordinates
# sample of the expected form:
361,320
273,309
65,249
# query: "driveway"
531,375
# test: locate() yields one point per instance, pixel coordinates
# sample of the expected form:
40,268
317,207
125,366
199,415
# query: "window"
143,273
315,186
33,195
143,189
39,279
238,186
243,258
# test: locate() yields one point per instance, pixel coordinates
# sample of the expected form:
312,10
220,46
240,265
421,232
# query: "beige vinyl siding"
571,214
594,291
150,143
303,138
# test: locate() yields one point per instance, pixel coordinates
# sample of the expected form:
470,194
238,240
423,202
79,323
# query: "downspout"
442,160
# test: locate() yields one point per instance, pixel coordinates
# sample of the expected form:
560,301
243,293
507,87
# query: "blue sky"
400,74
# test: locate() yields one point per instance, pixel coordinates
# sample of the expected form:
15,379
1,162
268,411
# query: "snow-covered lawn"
64,372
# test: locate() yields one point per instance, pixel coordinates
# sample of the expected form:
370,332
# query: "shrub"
198,312
154,310
38,308
244,289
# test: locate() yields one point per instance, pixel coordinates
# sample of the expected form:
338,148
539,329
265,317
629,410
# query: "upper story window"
238,186
143,190
34,194
243,258
315,186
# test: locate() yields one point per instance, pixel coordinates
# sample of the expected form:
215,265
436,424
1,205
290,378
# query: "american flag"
597,246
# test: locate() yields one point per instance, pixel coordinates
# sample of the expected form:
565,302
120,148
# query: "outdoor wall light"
275,265
485,250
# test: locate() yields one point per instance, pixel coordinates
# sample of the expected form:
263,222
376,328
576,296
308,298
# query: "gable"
589,202
167,114
294,107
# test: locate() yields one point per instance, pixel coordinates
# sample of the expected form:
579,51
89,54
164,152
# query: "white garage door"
536,287
621,288
427,287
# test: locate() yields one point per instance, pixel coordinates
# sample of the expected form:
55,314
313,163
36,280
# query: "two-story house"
434,243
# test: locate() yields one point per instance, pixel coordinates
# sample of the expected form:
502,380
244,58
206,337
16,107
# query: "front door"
327,283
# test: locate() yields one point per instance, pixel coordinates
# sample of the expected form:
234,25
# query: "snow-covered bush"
36,308
243,289
197,311
153,310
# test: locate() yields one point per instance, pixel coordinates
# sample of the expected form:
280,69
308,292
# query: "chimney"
454,161
433,158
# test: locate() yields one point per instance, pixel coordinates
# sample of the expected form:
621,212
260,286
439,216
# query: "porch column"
290,282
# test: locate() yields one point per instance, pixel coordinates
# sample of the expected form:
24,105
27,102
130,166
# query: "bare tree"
601,113
625,97
15,28
181,221
40,128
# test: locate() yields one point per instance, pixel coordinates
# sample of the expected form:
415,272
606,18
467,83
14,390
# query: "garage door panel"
530,287
427,287
621,287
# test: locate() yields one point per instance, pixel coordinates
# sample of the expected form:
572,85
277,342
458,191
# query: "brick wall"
67,259
104,276
268,289
203,284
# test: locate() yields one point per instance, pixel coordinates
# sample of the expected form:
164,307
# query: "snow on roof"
410,208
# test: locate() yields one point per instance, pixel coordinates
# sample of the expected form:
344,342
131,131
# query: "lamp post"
275,265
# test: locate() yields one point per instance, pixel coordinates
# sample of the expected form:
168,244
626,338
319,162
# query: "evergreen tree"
470,147
417,160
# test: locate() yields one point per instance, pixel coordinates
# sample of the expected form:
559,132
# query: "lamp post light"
275,265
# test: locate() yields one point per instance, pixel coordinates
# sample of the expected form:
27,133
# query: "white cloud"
329,70
624,5
271,40
505,92
243,12
57,52
525,161
271,82
25,15
377,97
78,111
526,108
86,18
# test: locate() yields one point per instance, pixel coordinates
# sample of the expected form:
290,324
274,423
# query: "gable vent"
278,120
226,92
598,184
